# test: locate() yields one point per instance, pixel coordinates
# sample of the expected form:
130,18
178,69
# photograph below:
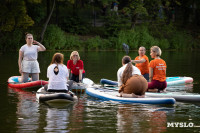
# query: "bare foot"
163,91
119,95
152,90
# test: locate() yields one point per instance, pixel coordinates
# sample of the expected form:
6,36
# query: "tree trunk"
46,23
57,12
133,20
48,7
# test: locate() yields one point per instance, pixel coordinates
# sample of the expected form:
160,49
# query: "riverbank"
167,37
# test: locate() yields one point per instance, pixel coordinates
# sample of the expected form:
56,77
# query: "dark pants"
146,76
70,82
76,77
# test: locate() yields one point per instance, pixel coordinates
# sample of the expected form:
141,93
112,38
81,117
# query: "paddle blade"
126,48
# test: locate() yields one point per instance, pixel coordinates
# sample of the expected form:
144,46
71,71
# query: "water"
21,113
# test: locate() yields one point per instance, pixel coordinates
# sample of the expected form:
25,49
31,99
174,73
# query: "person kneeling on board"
130,80
58,75
157,71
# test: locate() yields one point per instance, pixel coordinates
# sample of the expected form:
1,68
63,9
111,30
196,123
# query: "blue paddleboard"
170,81
106,94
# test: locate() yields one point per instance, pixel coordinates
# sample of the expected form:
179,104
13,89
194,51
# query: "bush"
145,38
135,38
12,40
170,37
113,25
181,40
75,25
97,43
54,38
129,37
72,42
164,44
93,43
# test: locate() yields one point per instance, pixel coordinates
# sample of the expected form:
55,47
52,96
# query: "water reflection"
20,112
62,117
56,119
141,118
185,87
77,117
27,111
33,116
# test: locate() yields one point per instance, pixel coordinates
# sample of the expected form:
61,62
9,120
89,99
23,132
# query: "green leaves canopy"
13,14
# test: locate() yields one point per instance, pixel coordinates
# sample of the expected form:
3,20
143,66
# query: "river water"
21,113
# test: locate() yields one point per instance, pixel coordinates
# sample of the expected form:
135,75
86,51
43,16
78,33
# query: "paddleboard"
111,95
13,82
54,97
178,96
185,97
170,81
81,87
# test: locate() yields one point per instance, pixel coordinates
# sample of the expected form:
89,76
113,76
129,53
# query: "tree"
134,9
13,14
46,23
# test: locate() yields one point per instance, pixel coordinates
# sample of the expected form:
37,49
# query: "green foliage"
171,37
72,42
164,44
75,17
128,37
54,38
135,9
75,24
36,11
181,40
97,43
135,38
14,15
93,43
113,24
145,38
12,40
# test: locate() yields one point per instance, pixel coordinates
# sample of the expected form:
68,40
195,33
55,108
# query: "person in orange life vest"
157,71
142,62
76,66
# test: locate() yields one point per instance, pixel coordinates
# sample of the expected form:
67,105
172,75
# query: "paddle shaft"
126,48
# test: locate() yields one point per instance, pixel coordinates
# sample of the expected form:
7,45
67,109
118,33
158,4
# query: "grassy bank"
167,37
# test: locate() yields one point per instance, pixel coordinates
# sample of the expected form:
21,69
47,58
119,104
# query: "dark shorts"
146,76
76,77
157,84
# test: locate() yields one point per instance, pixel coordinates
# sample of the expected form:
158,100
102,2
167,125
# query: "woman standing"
130,80
75,64
58,75
27,61
157,71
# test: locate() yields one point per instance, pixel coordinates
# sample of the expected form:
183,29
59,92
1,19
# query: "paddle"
105,87
126,48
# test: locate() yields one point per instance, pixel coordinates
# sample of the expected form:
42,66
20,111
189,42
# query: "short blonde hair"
74,53
157,50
